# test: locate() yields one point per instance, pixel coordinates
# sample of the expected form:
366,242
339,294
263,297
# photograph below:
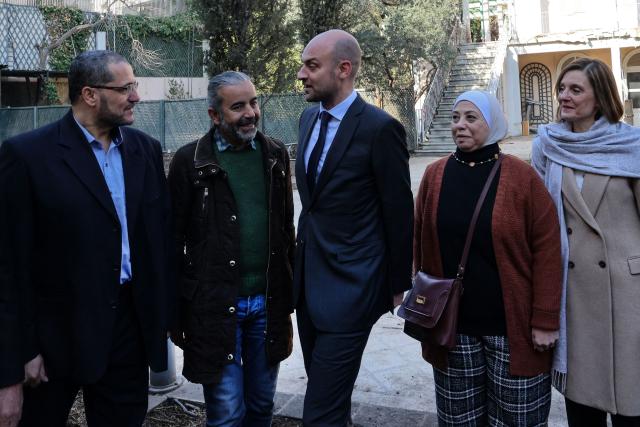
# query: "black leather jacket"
207,246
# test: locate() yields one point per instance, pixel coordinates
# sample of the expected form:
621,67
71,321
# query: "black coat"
60,252
354,248
207,244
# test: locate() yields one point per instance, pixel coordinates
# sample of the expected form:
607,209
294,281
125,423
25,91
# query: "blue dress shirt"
337,114
111,166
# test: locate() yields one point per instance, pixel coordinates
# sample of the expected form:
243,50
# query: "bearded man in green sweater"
233,209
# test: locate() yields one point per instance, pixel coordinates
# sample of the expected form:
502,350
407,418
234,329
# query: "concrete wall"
157,88
566,16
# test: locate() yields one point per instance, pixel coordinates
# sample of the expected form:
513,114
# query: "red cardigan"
526,241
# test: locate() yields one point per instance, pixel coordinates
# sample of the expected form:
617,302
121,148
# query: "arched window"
536,94
568,59
631,67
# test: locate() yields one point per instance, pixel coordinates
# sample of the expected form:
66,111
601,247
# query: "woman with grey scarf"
590,163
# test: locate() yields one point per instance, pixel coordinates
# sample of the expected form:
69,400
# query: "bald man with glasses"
85,294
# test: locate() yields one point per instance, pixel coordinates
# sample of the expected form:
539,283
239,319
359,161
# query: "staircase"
472,70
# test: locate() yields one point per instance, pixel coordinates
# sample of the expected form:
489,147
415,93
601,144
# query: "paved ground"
395,386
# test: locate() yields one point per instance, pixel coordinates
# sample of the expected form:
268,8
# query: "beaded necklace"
472,164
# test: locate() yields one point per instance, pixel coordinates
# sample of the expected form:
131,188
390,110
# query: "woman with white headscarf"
498,373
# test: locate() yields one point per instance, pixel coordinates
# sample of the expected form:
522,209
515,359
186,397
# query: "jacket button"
232,309
602,264
569,230
283,173
233,218
229,356
273,252
200,173
232,263
571,264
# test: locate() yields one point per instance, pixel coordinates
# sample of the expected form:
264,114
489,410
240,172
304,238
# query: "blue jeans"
244,395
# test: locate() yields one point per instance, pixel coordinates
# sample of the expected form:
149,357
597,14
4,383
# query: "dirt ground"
171,413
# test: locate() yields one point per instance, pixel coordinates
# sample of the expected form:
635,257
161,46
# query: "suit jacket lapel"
133,167
347,128
574,197
593,191
77,154
306,126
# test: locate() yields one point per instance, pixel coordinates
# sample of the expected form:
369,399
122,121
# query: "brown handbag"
430,308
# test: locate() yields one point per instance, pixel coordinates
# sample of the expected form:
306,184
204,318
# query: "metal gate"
536,94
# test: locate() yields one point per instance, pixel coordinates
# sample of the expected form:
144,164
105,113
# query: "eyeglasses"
126,89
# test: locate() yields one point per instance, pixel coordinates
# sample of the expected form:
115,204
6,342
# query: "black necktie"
314,159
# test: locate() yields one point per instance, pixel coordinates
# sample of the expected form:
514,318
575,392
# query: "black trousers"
332,361
119,398
579,415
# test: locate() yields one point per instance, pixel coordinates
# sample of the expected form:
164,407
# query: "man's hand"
397,299
10,405
543,340
34,372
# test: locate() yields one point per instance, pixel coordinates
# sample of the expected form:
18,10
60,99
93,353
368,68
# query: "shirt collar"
338,111
116,134
223,145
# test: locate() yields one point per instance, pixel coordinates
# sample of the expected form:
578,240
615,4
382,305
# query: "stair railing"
440,80
506,31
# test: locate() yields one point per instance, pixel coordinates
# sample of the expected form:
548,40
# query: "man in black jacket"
85,277
234,235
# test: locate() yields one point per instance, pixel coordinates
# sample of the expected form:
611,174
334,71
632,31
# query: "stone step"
473,66
440,145
441,126
466,84
466,79
466,87
472,61
426,153
476,46
470,74
439,133
490,54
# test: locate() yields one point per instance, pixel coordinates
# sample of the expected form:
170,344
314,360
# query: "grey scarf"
606,149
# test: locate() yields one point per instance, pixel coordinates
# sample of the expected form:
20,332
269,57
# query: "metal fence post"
162,126
35,118
165,381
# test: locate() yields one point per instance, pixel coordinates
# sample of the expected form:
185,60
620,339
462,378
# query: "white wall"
566,16
157,88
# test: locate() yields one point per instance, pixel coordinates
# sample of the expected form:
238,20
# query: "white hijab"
491,111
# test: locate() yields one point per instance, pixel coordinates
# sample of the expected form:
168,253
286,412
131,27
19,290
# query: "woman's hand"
543,340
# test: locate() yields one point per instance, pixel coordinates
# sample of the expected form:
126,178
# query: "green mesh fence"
16,120
176,123
50,114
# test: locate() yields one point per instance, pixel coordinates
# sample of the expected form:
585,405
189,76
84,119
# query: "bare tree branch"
146,58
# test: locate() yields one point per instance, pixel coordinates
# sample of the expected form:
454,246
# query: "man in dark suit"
85,299
353,259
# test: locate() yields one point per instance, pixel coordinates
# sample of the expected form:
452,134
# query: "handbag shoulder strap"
474,219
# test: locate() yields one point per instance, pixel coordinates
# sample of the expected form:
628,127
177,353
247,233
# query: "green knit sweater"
246,177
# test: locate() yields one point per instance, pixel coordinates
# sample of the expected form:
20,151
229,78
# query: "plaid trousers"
477,389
